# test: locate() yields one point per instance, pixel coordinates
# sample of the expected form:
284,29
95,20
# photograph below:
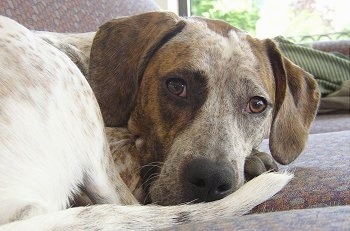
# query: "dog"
186,103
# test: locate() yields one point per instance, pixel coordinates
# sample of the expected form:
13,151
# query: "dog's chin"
166,194
174,201
184,199
176,195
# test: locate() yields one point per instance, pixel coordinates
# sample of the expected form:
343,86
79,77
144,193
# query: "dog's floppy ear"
296,102
119,55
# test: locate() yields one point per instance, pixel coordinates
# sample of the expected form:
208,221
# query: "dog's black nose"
207,181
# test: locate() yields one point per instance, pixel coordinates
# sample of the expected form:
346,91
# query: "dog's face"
200,95
205,104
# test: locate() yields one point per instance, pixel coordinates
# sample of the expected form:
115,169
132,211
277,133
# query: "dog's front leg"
127,159
257,163
103,184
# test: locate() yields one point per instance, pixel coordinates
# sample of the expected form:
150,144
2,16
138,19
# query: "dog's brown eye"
256,104
177,86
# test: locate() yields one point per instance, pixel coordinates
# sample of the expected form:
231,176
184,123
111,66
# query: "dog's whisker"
190,202
152,164
146,173
147,183
147,197
149,180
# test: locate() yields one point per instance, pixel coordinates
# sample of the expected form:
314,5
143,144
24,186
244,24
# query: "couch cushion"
332,218
71,15
340,46
322,175
331,123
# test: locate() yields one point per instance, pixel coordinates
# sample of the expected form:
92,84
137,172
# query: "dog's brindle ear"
296,102
119,55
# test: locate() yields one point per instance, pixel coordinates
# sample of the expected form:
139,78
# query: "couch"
318,198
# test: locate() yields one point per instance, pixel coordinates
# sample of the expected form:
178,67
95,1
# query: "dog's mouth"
200,180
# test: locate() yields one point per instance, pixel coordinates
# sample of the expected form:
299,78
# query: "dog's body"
194,94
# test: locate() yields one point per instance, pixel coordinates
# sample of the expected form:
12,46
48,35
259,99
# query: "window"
300,20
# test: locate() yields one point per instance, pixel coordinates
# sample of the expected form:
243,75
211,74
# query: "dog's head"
199,95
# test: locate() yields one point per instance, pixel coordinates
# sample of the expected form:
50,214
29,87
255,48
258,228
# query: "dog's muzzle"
205,180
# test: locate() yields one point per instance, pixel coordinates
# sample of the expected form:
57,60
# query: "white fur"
49,143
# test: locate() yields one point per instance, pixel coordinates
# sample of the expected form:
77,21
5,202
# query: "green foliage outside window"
241,18
270,18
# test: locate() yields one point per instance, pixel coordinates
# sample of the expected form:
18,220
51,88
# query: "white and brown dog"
192,99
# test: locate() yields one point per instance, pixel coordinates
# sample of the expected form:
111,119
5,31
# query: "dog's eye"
256,104
177,86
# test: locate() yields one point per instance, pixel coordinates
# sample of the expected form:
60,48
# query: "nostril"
223,188
200,183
